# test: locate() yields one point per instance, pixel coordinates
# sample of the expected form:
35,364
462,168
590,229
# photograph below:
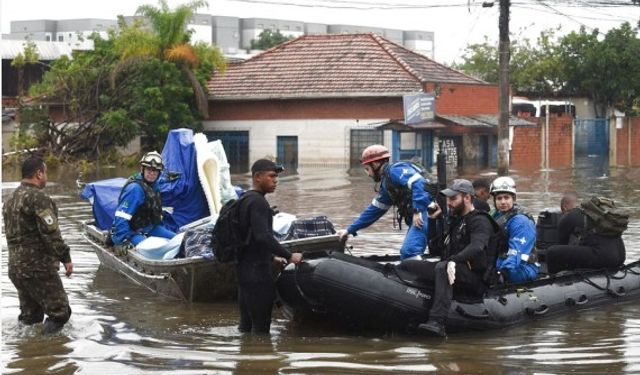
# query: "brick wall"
466,99
560,141
628,143
526,149
343,108
453,99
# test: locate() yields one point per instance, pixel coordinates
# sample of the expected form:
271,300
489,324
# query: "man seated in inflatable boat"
518,230
466,260
478,250
580,247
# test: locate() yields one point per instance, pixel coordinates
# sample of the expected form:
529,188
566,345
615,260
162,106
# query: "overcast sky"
456,23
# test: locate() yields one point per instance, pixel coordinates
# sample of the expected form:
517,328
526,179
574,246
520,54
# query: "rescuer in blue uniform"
401,185
517,259
139,211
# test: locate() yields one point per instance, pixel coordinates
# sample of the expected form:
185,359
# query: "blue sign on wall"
418,108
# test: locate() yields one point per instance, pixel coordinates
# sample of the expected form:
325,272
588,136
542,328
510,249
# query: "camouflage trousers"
39,295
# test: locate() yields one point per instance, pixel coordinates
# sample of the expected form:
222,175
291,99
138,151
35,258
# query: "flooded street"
120,328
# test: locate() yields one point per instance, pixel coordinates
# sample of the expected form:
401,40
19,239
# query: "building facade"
318,100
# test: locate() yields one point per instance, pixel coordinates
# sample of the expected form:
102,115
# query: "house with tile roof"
318,100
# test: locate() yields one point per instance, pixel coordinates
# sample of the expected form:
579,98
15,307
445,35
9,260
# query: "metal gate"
360,139
288,153
236,146
591,144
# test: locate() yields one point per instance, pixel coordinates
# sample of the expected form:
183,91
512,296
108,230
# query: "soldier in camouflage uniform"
36,249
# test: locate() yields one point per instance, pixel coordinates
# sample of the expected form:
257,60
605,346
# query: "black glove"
123,250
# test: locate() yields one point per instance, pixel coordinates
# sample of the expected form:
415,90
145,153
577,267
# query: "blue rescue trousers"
415,242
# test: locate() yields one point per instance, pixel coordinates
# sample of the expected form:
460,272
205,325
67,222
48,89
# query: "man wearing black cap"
465,258
256,287
36,249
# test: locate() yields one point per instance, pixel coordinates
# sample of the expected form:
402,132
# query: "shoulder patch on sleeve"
48,218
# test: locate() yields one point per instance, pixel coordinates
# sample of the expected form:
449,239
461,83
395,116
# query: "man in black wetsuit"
578,250
256,287
465,258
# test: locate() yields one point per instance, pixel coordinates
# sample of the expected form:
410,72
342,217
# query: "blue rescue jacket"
139,209
521,237
398,176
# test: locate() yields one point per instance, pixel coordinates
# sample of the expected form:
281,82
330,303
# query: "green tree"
530,65
167,38
607,70
480,60
268,39
136,82
28,56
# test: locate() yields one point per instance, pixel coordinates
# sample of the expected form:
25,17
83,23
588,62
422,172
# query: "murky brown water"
120,328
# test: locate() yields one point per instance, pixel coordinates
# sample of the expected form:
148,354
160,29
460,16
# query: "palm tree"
166,38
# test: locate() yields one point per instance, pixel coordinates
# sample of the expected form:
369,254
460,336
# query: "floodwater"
120,328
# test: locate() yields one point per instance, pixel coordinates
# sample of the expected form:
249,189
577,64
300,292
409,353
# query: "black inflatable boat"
362,293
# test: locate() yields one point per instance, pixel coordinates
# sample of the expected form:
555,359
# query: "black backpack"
227,239
603,217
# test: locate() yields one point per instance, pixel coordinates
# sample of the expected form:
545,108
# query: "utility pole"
503,85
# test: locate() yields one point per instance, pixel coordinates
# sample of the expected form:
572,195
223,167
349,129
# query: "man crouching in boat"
519,264
139,211
465,257
401,185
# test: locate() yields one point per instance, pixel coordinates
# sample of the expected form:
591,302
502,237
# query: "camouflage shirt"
33,235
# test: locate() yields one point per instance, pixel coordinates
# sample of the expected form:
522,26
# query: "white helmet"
153,160
503,185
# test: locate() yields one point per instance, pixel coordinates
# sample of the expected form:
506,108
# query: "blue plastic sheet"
103,196
184,195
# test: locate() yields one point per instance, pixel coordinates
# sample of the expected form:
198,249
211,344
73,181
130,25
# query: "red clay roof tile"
332,65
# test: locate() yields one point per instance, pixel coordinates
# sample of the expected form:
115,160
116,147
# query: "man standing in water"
36,249
256,287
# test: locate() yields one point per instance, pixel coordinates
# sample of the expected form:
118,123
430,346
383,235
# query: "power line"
368,4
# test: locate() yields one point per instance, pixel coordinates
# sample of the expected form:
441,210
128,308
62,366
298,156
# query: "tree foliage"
268,39
139,82
29,55
603,68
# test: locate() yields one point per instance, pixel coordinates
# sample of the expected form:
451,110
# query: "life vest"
460,238
402,196
150,211
502,243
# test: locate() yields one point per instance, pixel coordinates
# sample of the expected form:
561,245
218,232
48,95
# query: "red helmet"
374,153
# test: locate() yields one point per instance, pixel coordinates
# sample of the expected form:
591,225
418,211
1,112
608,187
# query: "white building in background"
74,32
233,35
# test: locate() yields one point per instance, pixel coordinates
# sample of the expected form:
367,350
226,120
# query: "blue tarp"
184,195
103,196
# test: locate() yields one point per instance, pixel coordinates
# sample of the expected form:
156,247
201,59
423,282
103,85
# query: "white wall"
424,47
201,33
321,143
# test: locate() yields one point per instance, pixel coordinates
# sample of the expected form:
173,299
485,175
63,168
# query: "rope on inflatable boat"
593,284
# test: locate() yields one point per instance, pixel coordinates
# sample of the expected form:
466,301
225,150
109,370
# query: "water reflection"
120,328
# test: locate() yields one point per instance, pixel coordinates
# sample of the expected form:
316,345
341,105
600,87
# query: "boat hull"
193,279
356,293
